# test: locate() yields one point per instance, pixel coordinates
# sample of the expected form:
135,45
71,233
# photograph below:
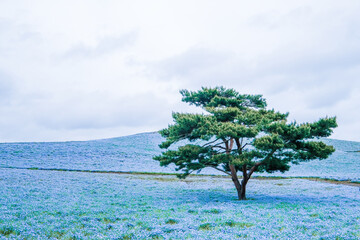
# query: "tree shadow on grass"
222,196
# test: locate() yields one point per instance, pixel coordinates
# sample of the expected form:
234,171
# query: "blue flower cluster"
73,205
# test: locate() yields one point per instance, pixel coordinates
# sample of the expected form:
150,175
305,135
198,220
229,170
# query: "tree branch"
218,144
211,142
253,169
245,176
226,145
238,143
220,170
231,144
218,147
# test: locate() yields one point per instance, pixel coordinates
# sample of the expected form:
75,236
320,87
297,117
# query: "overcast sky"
79,70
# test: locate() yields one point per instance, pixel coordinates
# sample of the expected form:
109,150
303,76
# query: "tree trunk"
244,182
235,179
238,187
243,190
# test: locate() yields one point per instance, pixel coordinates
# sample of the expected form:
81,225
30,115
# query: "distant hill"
135,152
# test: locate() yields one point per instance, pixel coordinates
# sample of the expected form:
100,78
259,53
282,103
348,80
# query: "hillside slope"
135,152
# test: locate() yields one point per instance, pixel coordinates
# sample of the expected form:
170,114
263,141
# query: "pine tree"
236,133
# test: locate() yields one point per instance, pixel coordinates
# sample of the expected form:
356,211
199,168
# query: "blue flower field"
57,204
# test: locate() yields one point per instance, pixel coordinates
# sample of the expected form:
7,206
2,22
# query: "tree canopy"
236,133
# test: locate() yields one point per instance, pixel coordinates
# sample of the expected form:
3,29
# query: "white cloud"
84,69
106,45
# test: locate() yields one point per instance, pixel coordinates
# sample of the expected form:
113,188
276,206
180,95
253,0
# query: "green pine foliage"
237,133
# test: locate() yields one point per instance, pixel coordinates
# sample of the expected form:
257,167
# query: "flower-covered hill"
134,153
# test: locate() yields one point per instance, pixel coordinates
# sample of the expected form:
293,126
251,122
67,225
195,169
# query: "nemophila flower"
84,205
135,152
